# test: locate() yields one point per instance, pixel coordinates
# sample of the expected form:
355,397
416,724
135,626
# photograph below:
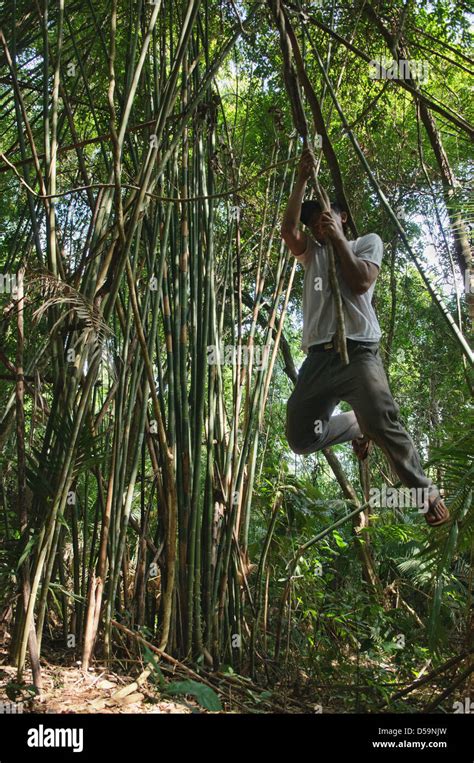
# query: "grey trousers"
323,381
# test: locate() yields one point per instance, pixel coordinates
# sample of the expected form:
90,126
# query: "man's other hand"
330,226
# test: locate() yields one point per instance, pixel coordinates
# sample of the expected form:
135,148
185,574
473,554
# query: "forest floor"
127,687
130,689
68,689
130,686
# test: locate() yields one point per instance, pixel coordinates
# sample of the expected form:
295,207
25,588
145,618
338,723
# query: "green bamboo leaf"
206,696
339,539
32,540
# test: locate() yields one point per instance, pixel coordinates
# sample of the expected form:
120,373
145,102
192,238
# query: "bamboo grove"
138,356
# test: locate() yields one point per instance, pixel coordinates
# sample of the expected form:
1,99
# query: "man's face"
319,220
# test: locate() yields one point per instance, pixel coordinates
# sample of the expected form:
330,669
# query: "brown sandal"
440,513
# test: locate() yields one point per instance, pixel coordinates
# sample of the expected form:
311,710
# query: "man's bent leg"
310,425
303,439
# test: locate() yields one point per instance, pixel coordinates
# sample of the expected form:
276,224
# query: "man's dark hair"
308,208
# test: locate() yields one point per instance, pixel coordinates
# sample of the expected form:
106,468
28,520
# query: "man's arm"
295,238
358,274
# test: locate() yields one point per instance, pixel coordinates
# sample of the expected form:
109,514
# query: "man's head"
310,216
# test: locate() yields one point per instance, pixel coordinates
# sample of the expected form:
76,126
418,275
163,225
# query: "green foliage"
204,695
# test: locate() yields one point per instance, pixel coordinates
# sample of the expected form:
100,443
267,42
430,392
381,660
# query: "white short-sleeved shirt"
319,310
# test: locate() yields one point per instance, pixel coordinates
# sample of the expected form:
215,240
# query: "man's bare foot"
362,447
438,513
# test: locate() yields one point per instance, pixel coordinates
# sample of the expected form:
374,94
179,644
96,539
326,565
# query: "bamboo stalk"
22,507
